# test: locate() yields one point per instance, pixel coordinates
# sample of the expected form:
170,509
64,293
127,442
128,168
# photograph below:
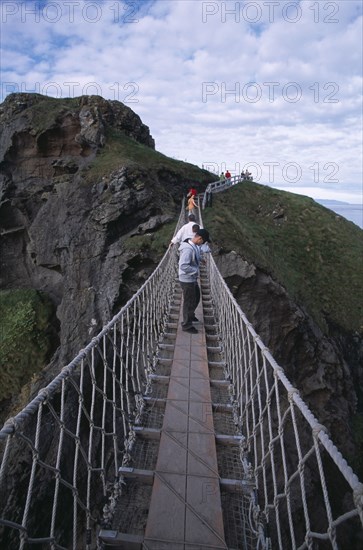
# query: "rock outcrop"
65,229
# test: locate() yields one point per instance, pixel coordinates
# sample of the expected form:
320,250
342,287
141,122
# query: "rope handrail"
284,442
286,445
346,470
45,393
68,443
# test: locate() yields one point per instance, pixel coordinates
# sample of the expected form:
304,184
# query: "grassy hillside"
315,254
46,110
120,150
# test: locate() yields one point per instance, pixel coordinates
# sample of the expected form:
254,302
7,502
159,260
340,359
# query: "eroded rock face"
65,233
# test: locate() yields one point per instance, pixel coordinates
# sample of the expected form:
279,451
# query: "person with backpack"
189,260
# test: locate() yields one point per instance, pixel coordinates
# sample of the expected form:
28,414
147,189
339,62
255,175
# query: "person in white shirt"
186,231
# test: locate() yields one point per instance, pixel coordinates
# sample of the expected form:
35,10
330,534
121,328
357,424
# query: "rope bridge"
61,455
295,465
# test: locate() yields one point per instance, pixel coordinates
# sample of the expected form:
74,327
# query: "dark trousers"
191,297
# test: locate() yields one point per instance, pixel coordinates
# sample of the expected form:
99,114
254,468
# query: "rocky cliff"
83,196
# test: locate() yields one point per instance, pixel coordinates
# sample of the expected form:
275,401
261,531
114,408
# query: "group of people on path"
193,243
225,177
246,175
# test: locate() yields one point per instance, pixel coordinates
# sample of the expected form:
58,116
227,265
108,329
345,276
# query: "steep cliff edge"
87,207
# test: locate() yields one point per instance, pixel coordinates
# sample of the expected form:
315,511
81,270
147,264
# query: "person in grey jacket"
190,255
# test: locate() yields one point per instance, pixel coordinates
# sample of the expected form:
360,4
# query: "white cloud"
212,84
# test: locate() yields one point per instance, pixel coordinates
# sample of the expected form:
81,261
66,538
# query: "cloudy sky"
272,85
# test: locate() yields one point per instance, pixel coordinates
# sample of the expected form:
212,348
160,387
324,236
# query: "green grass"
313,253
24,340
46,110
120,150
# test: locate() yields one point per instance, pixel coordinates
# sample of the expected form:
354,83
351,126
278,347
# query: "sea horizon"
349,211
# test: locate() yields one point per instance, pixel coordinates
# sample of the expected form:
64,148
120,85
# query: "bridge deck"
185,510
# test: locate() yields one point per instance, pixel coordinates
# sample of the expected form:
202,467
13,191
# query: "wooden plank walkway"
185,511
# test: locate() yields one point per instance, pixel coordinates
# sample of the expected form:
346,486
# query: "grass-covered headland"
314,253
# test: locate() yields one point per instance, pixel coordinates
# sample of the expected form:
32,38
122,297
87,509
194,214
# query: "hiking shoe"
191,330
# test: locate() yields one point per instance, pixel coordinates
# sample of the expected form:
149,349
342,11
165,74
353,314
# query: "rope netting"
306,491
60,456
